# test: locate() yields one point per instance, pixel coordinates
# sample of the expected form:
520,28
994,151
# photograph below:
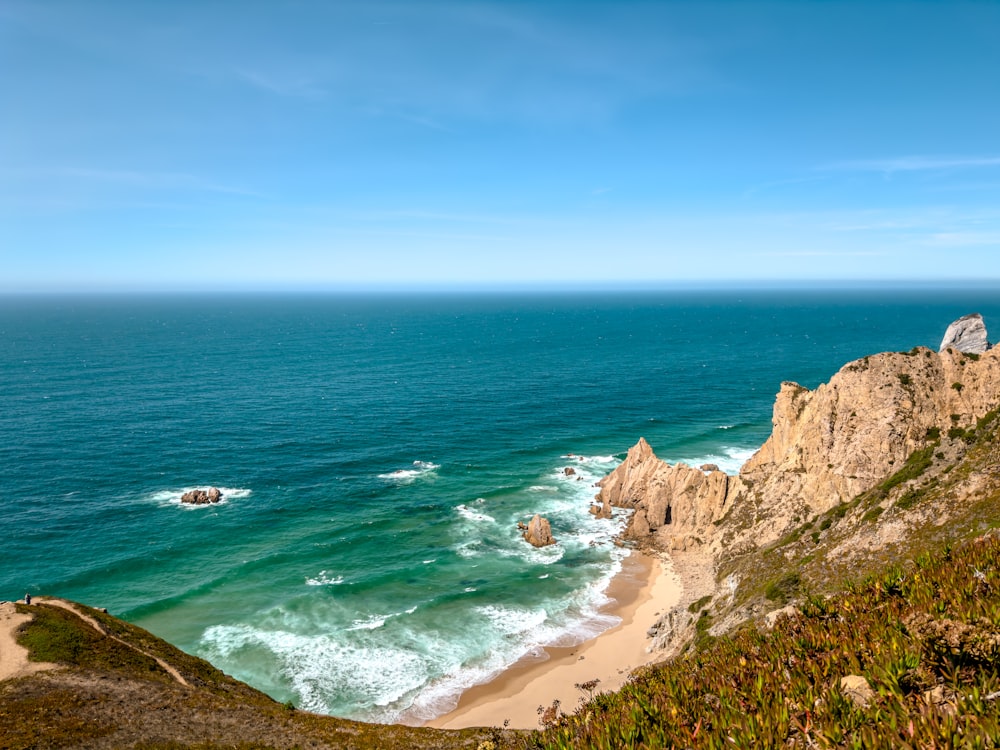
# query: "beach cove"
644,588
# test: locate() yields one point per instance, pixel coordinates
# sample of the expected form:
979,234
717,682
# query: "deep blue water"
376,453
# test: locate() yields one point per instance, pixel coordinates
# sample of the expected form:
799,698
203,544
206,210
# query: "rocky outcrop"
202,497
680,497
967,334
538,532
827,446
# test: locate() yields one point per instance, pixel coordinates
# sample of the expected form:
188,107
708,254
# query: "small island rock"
539,532
202,497
967,334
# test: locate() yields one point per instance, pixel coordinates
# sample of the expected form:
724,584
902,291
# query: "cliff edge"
883,426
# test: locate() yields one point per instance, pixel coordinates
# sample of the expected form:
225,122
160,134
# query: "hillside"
113,685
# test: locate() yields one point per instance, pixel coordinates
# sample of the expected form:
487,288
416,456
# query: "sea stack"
539,532
967,334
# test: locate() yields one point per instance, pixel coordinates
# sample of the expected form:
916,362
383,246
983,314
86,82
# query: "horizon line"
510,288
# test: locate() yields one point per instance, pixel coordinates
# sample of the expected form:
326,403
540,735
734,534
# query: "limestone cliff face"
826,446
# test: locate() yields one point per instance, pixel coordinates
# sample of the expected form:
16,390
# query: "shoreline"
644,588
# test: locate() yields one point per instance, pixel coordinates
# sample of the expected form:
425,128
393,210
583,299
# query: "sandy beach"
644,588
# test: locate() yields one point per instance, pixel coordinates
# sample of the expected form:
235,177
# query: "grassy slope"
926,637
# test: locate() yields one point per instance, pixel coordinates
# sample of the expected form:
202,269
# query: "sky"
200,145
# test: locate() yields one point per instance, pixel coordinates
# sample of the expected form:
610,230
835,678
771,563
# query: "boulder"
967,334
202,497
569,471
602,508
857,689
539,532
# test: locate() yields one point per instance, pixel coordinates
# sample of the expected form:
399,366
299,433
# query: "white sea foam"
523,632
373,622
325,578
405,476
731,459
319,667
471,515
511,620
172,497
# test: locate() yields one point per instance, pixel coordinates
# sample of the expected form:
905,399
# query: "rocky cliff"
827,446
841,478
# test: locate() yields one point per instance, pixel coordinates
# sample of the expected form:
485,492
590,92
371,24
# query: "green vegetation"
957,433
957,386
872,514
700,604
784,588
926,638
904,379
915,465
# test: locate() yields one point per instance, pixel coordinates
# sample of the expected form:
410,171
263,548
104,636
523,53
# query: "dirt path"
97,626
14,657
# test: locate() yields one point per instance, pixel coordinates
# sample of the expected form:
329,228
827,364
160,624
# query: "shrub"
784,588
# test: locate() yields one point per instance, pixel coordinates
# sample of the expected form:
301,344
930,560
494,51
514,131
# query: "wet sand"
644,588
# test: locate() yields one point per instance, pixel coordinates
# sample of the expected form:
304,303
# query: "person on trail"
27,598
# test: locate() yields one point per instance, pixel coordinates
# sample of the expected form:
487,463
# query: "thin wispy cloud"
297,87
914,164
822,253
964,239
135,178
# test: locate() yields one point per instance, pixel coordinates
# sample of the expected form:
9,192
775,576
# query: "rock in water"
539,532
202,497
967,335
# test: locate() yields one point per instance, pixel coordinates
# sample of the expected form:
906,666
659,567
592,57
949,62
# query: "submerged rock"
202,497
538,532
967,334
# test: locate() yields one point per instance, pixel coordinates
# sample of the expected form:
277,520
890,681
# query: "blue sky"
309,144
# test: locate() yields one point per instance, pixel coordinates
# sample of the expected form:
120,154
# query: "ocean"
376,453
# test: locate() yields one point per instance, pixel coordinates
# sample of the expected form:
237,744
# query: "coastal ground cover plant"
925,637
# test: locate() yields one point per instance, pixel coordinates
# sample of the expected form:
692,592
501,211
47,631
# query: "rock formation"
891,423
679,496
202,497
827,446
967,334
538,532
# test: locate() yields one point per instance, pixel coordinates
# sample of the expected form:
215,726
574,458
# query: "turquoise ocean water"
376,453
